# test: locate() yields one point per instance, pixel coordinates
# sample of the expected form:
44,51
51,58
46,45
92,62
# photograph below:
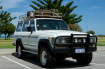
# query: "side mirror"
29,29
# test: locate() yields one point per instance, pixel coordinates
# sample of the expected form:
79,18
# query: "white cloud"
9,4
96,7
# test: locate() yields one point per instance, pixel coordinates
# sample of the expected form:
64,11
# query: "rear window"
25,25
19,27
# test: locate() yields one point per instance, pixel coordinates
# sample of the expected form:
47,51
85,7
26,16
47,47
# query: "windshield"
48,24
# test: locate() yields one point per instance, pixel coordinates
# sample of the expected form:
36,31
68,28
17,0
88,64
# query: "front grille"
79,40
75,40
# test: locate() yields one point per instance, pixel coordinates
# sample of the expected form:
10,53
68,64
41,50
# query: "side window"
19,27
32,25
25,25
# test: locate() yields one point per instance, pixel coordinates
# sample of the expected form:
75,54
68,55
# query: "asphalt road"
10,61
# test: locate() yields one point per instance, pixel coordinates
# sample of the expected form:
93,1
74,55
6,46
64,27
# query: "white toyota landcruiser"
52,40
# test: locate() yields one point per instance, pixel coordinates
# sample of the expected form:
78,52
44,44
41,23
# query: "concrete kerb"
101,48
6,51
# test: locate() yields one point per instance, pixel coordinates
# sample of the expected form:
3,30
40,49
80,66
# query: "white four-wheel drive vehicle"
51,40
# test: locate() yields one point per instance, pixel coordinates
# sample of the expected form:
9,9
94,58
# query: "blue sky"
93,12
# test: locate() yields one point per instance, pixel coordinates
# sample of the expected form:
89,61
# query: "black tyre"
19,51
45,58
84,59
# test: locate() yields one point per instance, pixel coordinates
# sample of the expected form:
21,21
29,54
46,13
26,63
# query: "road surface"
10,61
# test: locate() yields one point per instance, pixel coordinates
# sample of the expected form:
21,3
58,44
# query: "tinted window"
19,27
48,24
25,25
32,25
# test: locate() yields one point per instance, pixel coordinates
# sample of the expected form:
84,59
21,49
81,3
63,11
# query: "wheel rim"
43,58
19,51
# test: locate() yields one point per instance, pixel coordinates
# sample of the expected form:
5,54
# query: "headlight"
92,39
61,40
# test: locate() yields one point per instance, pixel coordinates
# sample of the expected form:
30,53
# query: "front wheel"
45,58
84,59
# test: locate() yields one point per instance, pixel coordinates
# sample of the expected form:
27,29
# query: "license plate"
80,50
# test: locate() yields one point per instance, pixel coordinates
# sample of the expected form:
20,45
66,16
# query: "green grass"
101,41
6,43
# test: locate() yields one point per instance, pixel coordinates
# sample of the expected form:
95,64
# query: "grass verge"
101,41
6,43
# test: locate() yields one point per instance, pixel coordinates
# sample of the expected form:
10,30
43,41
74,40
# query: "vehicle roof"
41,18
49,18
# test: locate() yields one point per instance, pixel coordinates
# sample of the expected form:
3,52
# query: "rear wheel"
19,51
84,59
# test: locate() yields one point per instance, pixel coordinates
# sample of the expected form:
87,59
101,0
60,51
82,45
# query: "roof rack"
48,13
53,13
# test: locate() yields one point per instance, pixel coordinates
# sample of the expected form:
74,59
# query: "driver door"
32,37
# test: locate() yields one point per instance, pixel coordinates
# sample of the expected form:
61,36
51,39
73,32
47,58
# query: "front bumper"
71,47
72,50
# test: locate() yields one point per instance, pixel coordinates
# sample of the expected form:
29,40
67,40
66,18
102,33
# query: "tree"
75,27
11,29
66,10
5,21
0,21
0,7
91,32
